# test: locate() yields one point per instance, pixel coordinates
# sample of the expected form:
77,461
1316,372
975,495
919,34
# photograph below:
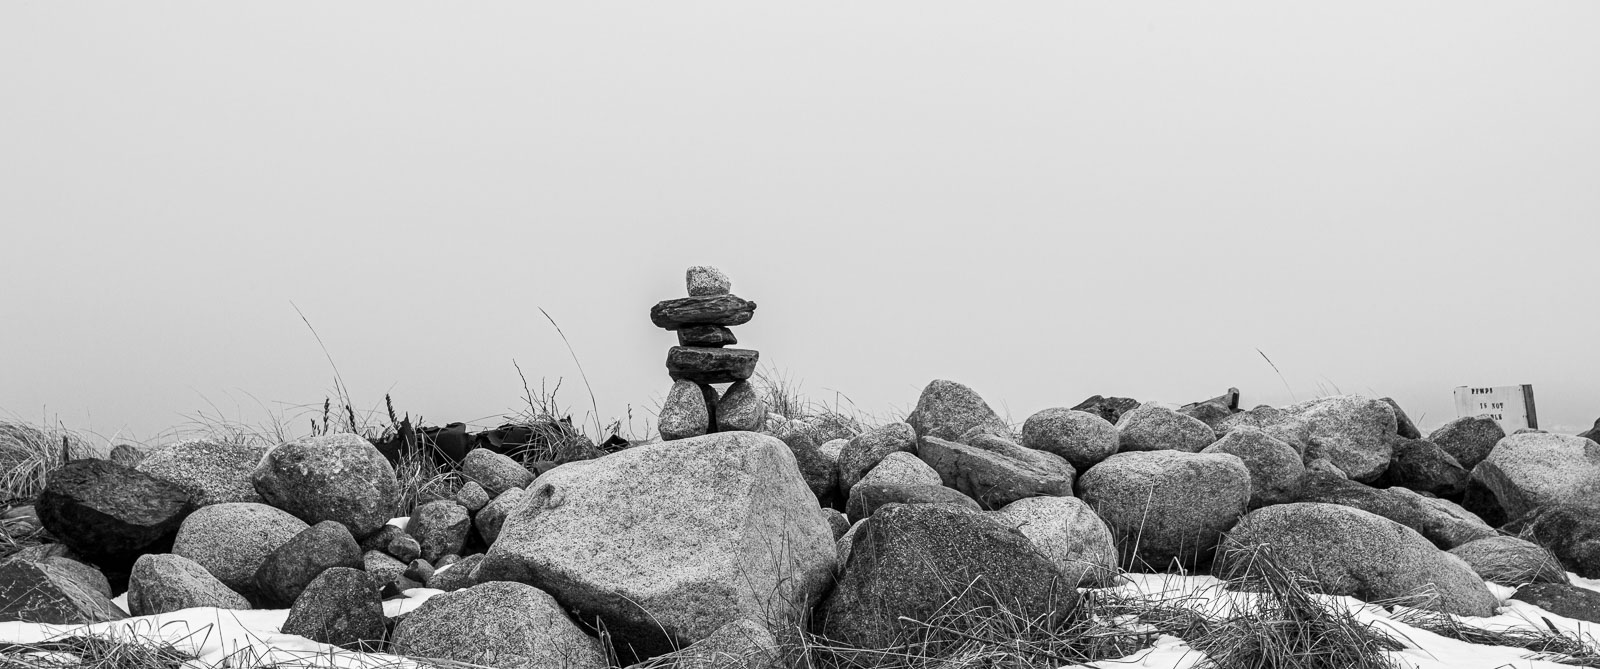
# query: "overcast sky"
1041,200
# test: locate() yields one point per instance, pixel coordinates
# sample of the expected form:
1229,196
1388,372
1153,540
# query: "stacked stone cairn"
702,360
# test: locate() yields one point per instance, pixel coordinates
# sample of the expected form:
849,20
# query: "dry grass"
28,453
1549,644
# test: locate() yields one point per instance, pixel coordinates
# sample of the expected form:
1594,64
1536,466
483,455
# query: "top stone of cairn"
707,280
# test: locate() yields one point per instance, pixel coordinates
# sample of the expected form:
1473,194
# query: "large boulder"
1423,466
1275,467
1156,428
495,472
1166,506
1068,532
289,568
867,497
665,543
109,513
1352,552
338,477
212,472
1355,433
497,624
231,540
37,592
1570,531
996,472
1468,439
1081,438
909,561
340,607
1446,527
947,409
864,451
1530,470
1511,561
165,583
440,528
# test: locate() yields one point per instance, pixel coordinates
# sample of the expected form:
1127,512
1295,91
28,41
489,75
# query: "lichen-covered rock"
1527,471
947,409
1468,439
1511,561
1156,428
741,408
440,528
232,540
864,451
340,607
1275,467
495,472
493,516
909,561
338,477
996,472
36,592
165,583
1081,438
684,413
1445,526
1166,506
867,497
1356,433
289,568
1068,532
665,543
1422,466
1352,552
497,624
109,513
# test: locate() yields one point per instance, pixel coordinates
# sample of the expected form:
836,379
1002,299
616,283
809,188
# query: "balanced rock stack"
701,358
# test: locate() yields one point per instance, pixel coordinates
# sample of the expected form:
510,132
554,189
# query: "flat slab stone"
711,365
715,336
702,310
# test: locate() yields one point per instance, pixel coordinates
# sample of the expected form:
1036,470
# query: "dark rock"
165,583
1352,552
1468,439
1109,409
1275,467
380,540
109,513
86,575
866,498
36,592
711,398
864,451
821,473
440,527
384,568
232,540
419,570
491,517
1593,434
458,576
1423,466
996,472
542,438
1400,505
725,310
1403,425
499,624
211,472
126,455
947,409
711,365
1562,599
1210,413
839,522
1511,561
1165,506
1154,428
1082,438
338,477
341,607
404,547
706,336
1570,531
911,561
289,568
495,472
741,408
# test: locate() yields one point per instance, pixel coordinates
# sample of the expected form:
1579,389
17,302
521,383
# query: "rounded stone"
338,477
232,540
1082,438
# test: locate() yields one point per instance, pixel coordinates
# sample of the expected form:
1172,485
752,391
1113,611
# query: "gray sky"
1042,200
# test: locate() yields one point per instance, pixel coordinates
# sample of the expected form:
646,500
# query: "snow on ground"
248,639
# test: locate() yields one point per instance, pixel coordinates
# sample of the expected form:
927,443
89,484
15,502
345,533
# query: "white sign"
1510,406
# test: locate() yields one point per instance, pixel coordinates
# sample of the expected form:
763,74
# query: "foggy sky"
1041,200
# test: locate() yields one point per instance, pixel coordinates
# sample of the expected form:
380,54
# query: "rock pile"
702,358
